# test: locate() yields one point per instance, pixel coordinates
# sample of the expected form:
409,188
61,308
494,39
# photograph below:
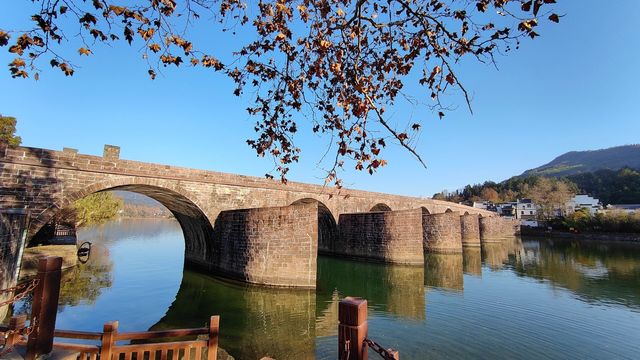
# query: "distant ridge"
578,162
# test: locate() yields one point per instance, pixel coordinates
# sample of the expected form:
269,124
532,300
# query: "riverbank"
30,257
541,232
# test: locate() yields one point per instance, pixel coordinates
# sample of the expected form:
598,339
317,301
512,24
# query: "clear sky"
574,88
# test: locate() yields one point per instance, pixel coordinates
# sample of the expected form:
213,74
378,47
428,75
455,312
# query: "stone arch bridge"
253,229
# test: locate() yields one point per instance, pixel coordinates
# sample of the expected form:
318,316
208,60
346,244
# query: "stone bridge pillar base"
386,236
496,229
442,233
267,246
470,226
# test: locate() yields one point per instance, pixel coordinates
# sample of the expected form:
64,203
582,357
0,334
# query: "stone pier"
269,246
496,229
470,227
387,236
13,228
442,233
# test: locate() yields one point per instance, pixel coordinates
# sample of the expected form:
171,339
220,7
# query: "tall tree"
95,209
8,131
550,195
490,194
339,63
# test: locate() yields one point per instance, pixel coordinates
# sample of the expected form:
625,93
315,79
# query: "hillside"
579,162
611,175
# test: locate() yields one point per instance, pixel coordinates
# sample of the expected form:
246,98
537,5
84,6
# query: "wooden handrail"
161,334
160,346
77,347
73,334
109,349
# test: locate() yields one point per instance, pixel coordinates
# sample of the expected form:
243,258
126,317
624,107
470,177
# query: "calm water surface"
525,299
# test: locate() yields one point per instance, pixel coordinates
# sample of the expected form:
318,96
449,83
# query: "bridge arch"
448,210
195,224
380,207
425,211
327,226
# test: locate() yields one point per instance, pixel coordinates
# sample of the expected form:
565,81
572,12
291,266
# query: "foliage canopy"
96,208
340,63
8,131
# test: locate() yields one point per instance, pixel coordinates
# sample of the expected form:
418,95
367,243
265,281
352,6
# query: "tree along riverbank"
602,236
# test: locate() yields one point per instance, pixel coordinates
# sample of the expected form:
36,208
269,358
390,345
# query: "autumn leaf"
18,62
4,38
555,18
84,51
128,34
450,78
66,69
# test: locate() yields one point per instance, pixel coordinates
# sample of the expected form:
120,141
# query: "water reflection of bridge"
281,323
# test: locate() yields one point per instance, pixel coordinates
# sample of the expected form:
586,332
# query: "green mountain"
579,162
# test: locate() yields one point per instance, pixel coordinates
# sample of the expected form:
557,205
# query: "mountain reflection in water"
520,298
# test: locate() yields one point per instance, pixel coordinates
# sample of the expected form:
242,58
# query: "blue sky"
574,88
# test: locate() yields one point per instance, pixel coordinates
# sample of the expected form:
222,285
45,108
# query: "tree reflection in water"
594,271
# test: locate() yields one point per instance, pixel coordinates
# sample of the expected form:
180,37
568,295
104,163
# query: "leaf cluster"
8,131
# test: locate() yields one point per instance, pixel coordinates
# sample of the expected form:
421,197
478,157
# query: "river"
524,299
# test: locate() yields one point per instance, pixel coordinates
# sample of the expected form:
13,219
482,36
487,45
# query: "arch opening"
380,207
196,227
327,226
425,211
448,210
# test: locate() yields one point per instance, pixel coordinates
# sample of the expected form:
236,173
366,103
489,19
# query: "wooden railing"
63,230
109,349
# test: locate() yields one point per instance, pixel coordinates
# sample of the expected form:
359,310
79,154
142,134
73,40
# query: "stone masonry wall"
495,229
13,224
442,233
470,226
390,236
42,181
268,246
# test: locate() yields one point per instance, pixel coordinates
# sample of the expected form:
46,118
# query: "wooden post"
45,307
16,323
110,331
353,329
212,343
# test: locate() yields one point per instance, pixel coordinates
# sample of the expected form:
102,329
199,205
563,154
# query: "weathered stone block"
111,152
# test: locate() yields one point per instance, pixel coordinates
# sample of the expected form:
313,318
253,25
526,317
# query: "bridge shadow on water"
285,323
